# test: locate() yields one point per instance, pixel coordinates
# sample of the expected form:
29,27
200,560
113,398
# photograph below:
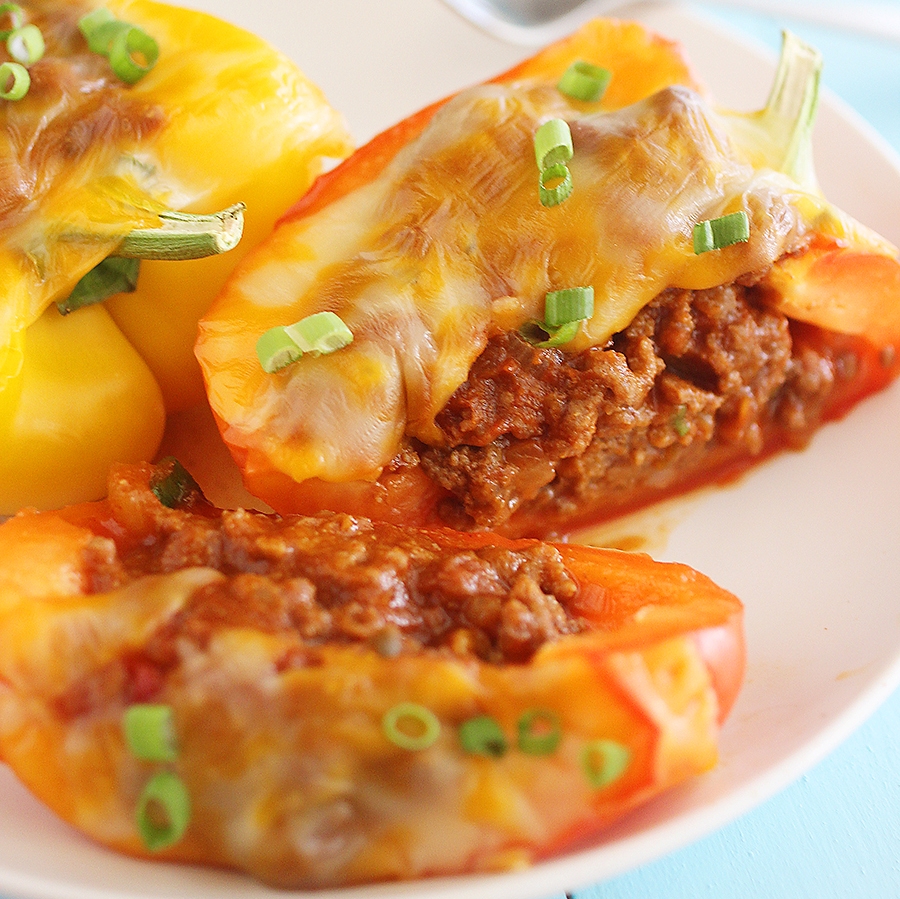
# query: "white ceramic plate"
808,541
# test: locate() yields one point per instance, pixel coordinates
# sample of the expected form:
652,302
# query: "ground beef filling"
337,579
697,378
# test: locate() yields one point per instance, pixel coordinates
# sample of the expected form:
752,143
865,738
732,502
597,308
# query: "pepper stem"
183,235
790,111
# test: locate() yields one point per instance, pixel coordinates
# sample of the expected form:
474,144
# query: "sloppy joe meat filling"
333,578
698,381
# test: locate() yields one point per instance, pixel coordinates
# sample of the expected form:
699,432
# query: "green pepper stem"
780,134
183,235
790,111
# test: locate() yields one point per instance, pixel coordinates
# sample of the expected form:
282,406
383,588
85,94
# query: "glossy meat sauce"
337,579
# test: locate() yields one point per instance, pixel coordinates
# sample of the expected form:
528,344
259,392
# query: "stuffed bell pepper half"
132,134
553,298
327,700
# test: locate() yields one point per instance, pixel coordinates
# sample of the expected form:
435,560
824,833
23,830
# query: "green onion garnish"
716,234
13,16
14,81
584,81
320,333
132,53
91,23
276,350
603,761
550,193
542,335
679,421
173,485
564,310
99,28
26,44
113,275
539,732
571,304
150,732
552,143
411,726
100,40
482,736
163,811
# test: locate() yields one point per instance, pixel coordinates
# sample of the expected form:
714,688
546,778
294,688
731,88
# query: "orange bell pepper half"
346,701
433,247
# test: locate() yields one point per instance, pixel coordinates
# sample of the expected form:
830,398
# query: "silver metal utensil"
538,22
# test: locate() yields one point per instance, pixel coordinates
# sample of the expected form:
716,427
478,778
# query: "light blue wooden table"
835,834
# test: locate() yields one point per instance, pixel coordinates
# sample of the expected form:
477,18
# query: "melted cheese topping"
451,244
86,158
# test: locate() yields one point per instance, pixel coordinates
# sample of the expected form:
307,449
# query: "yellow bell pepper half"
222,118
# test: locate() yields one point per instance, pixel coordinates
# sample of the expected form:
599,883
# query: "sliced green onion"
185,235
173,485
703,237
411,726
553,194
539,732
552,143
542,335
275,350
584,81
679,421
100,38
14,17
317,334
113,275
14,81
571,304
604,761
132,53
321,332
163,811
482,736
716,234
26,44
90,22
150,732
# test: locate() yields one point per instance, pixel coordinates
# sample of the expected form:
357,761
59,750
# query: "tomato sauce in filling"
332,578
697,386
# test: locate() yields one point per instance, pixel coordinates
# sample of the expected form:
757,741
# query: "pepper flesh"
89,158
280,733
451,248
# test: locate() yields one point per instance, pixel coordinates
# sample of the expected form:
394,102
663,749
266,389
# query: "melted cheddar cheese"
450,244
